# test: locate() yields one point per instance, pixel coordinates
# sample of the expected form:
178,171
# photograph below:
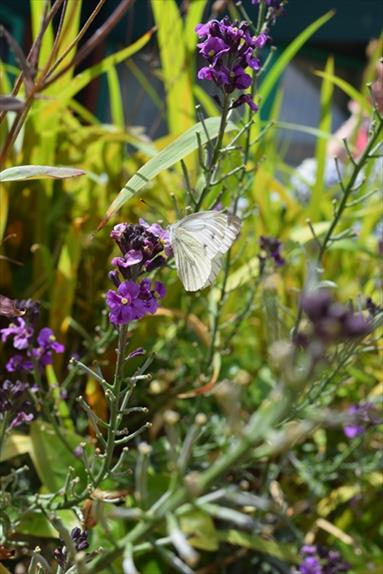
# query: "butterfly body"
199,241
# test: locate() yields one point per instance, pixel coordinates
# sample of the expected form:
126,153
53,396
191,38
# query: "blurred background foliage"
130,98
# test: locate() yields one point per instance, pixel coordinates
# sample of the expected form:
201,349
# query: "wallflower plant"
251,425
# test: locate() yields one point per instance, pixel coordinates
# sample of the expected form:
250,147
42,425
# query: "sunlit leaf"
174,152
26,172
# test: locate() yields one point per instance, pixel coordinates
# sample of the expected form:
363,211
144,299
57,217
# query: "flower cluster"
14,404
80,541
365,415
271,249
229,48
320,560
330,321
31,349
35,350
143,248
133,301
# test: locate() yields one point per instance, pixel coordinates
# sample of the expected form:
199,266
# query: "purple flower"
141,246
272,249
321,560
80,540
331,321
245,99
229,49
47,344
365,415
20,332
13,403
19,363
310,565
21,418
131,301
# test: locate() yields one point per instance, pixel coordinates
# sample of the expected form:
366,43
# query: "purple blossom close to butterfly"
132,301
229,49
143,248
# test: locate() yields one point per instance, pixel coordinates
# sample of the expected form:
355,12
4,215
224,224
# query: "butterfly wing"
216,230
193,265
199,241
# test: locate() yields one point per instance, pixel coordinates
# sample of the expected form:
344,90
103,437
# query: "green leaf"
15,445
84,78
37,524
303,234
171,154
280,65
25,172
64,287
51,458
321,146
269,547
201,527
347,88
177,80
115,96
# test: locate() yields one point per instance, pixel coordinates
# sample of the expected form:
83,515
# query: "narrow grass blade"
177,81
280,65
321,145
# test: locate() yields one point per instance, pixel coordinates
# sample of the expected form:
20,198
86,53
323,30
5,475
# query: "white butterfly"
198,242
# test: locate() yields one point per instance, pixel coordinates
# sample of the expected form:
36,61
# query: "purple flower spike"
229,48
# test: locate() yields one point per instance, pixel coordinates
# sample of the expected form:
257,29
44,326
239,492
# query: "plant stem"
347,190
268,415
214,159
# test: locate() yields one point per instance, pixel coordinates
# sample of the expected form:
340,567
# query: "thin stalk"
214,159
348,188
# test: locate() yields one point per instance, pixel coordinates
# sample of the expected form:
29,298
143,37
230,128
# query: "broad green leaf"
280,65
25,172
193,17
36,524
199,527
321,144
269,547
347,88
15,444
171,154
51,457
177,80
3,569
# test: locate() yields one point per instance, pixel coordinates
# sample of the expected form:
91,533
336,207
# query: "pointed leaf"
25,172
171,154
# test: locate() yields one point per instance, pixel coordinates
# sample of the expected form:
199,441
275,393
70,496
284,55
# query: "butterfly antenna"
155,209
